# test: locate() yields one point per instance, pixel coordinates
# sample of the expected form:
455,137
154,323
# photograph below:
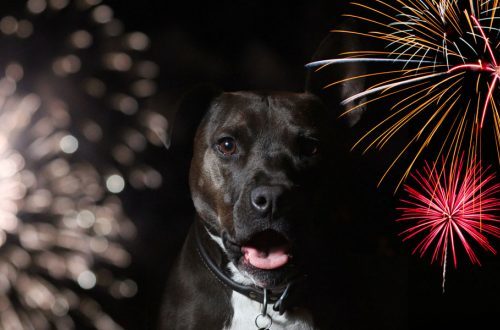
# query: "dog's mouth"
266,250
265,257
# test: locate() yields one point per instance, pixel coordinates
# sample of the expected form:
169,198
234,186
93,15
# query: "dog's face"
254,178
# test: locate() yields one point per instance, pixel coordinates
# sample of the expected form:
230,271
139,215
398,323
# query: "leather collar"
282,298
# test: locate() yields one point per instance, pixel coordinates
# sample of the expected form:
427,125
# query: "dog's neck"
281,298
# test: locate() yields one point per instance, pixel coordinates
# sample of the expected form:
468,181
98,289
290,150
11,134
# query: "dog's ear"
190,110
319,79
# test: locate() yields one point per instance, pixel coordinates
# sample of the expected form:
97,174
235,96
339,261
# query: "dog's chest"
246,310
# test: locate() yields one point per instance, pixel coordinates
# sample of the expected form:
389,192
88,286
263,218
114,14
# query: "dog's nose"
264,199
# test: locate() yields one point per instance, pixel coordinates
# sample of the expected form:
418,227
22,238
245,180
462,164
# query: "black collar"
282,298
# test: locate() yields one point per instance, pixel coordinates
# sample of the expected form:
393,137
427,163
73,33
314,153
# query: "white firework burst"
74,116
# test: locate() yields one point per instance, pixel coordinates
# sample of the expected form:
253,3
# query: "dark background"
376,283
264,45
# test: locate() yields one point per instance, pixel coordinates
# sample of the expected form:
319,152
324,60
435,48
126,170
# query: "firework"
436,68
74,118
451,207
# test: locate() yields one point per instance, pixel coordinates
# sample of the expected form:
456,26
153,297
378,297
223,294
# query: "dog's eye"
226,146
309,147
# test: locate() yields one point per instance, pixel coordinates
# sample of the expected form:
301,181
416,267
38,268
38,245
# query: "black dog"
255,181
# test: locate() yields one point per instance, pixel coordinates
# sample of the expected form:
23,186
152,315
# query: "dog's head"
255,178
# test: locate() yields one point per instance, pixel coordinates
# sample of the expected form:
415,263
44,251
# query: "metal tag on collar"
279,306
264,303
263,321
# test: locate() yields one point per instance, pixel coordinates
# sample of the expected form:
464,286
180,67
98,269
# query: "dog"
255,181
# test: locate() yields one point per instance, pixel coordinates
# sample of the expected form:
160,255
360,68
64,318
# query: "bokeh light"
72,128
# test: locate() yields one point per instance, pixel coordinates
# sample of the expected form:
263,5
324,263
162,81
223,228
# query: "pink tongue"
272,259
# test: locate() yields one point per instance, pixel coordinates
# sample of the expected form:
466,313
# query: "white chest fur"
246,310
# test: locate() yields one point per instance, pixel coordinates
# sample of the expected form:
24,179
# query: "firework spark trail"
73,123
491,68
449,207
444,57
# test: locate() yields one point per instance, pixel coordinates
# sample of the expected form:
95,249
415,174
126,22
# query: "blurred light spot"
93,191
71,297
43,148
123,155
85,219
113,28
87,280
123,289
158,125
95,87
36,6
103,226
14,71
53,263
144,88
24,29
69,219
59,113
9,223
115,183
31,103
28,178
105,322
8,25
127,231
153,179
117,256
76,263
126,104
92,131
7,86
58,168
99,244
117,61
136,178
128,288
8,206
8,167
69,144
135,140
20,258
62,205
58,4
147,69
81,39
102,14
137,41
141,178
39,200
68,185
63,66
60,307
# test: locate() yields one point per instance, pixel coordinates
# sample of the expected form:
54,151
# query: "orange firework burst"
443,76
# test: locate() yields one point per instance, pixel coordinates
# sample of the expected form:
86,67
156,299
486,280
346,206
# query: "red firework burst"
451,207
